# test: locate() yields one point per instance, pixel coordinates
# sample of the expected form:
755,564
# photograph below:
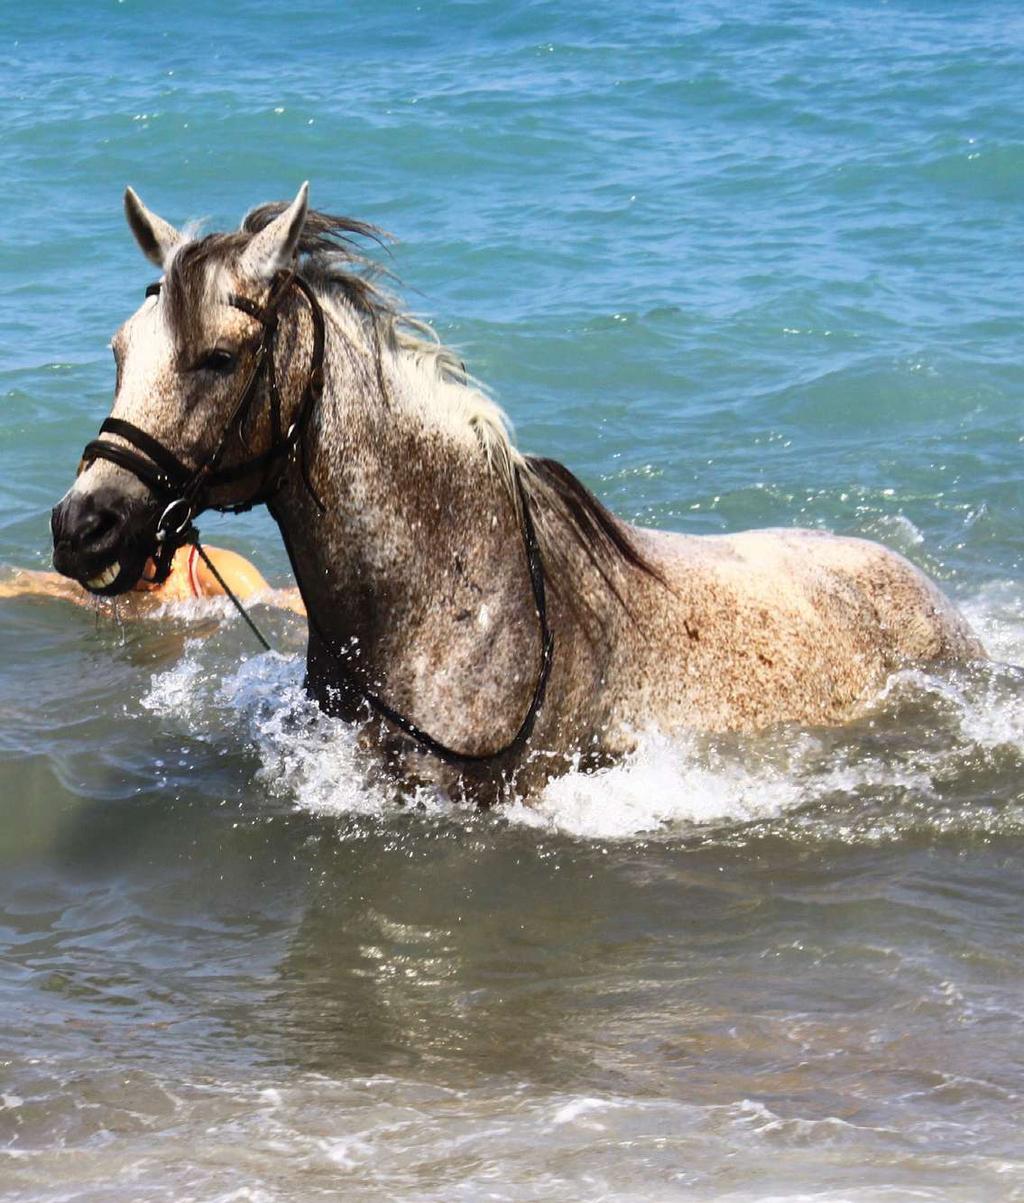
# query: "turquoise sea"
737,265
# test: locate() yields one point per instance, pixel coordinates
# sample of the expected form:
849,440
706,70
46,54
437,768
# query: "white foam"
668,785
576,1109
196,609
997,615
984,712
305,756
665,782
896,531
177,691
673,786
246,1194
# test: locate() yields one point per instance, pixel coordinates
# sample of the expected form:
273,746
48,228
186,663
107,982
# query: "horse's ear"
156,237
274,246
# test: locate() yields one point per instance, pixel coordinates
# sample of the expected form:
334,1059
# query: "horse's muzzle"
93,541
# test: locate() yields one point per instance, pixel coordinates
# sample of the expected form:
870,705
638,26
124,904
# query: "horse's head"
200,406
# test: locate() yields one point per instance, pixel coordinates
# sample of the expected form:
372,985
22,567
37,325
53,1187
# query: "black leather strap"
172,467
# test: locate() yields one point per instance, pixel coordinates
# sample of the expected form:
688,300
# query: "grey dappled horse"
478,609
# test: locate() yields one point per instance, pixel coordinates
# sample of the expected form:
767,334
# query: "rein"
184,492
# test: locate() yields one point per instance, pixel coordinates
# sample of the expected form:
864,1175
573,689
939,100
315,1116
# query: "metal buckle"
162,527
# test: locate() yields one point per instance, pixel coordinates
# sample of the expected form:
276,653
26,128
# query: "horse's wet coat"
416,570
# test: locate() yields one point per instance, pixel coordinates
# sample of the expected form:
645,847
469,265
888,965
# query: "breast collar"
185,491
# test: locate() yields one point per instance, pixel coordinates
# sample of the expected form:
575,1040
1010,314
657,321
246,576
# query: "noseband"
185,492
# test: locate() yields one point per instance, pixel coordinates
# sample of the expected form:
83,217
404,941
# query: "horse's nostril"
81,523
98,525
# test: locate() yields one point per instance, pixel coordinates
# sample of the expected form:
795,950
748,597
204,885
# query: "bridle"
185,492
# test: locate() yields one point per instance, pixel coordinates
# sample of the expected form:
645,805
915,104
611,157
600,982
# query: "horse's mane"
332,258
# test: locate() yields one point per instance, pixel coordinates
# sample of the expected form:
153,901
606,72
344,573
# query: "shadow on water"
462,952
459,950
191,917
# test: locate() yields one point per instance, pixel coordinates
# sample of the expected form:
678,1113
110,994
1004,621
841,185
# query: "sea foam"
923,729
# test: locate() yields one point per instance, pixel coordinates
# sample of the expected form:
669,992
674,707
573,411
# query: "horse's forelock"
195,280
323,234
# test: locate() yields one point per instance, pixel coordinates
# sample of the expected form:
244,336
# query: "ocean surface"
737,265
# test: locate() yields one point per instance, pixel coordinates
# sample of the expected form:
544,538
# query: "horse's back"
785,625
914,618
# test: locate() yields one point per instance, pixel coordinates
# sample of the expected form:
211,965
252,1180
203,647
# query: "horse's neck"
415,569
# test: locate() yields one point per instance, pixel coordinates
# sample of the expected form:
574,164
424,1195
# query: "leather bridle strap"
162,471
184,490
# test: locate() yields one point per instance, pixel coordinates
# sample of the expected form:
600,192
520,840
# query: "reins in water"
185,493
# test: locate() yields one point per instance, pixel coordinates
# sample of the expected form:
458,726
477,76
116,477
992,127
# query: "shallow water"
736,269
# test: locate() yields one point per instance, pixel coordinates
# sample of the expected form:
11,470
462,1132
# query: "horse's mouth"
103,537
118,576
104,580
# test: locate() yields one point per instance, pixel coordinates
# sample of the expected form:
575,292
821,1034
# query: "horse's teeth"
105,578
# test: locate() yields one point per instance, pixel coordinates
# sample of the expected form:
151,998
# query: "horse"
478,612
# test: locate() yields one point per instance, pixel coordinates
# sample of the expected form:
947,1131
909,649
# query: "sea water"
736,265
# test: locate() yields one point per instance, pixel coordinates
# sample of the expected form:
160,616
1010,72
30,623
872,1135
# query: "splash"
305,757
930,739
666,783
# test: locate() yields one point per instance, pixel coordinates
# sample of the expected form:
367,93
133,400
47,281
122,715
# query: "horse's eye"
219,361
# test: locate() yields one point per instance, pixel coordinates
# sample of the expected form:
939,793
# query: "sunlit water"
736,265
